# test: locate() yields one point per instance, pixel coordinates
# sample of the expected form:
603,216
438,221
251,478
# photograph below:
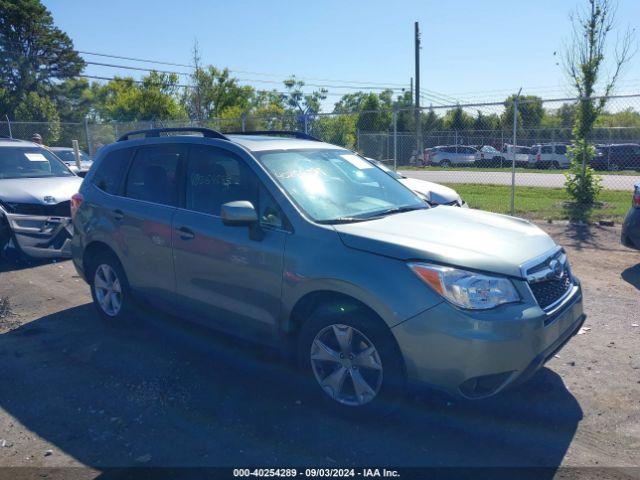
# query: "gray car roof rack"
155,132
290,133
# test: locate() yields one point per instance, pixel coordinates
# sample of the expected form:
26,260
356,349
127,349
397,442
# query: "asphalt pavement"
549,180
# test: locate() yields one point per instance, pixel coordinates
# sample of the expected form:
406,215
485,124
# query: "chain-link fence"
496,155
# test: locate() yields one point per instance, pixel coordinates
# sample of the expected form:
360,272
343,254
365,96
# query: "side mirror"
238,213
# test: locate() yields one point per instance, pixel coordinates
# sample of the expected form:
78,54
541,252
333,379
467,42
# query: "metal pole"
395,137
513,162
9,125
87,136
244,122
419,152
76,152
306,124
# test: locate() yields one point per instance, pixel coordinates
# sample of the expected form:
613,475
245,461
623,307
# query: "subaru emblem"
557,268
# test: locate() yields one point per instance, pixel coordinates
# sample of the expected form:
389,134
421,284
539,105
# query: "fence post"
395,137
244,121
87,136
306,124
9,125
513,162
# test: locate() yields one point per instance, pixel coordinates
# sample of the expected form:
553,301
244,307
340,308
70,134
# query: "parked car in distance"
35,192
549,155
489,156
630,235
521,154
451,155
621,156
309,247
68,157
434,193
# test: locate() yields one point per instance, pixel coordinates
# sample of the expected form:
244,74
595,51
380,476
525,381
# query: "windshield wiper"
335,221
391,211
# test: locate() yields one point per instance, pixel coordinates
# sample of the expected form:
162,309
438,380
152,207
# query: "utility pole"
411,89
419,152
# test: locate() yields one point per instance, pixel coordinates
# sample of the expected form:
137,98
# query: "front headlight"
466,289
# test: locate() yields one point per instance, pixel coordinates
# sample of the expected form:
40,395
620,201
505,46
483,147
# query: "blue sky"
472,50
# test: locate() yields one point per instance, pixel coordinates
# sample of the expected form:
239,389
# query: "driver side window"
216,176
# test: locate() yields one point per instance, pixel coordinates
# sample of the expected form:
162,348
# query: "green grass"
543,203
508,169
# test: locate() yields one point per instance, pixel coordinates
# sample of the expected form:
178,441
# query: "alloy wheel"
108,290
346,365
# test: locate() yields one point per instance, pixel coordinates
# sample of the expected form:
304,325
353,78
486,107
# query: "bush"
582,183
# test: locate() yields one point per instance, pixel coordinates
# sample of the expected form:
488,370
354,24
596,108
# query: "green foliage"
155,98
458,119
372,118
298,102
34,53
36,108
582,183
215,91
530,111
339,129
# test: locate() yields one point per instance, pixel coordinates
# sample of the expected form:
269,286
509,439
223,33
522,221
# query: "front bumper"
630,236
41,236
478,354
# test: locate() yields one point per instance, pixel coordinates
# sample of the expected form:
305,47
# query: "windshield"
68,156
334,186
31,162
386,169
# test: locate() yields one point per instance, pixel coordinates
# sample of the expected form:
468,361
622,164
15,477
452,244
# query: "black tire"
554,166
445,164
125,313
393,378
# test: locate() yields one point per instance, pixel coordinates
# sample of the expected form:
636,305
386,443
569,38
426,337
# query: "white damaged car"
35,200
434,193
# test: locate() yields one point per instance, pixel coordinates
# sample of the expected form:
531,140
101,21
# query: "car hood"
33,190
470,239
436,193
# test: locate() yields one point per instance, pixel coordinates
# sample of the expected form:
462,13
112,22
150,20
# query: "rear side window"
561,149
108,177
153,174
546,149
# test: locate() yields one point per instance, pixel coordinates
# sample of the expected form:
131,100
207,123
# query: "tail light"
76,201
537,157
636,199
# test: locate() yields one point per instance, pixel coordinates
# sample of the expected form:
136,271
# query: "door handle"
118,214
186,233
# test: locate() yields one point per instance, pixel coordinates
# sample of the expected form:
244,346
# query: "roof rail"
155,132
291,133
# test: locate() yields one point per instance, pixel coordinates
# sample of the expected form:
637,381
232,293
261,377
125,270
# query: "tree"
530,111
584,59
300,103
372,116
34,53
36,108
214,91
458,119
153,98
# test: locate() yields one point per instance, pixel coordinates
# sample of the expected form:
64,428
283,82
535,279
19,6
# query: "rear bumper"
476,355
41,236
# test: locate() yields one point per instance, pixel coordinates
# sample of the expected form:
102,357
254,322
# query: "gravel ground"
74,392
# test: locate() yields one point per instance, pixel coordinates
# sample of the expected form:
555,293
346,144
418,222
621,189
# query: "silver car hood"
33,190
466,238
433,191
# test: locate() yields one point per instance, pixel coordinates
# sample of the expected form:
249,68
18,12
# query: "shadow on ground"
157,394
632,276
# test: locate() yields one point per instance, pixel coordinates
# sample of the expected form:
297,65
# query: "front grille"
62,209
551,290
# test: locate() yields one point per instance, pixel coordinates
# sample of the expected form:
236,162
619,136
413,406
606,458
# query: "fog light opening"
485,385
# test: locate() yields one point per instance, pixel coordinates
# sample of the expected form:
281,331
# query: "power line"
161,62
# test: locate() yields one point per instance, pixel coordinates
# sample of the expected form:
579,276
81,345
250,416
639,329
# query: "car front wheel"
353,362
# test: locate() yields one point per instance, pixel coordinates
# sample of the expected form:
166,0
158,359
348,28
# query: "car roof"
14,142
257,143
61,149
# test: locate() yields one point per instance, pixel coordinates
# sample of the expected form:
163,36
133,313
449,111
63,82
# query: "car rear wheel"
554,166
110,289
445,163
351,361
